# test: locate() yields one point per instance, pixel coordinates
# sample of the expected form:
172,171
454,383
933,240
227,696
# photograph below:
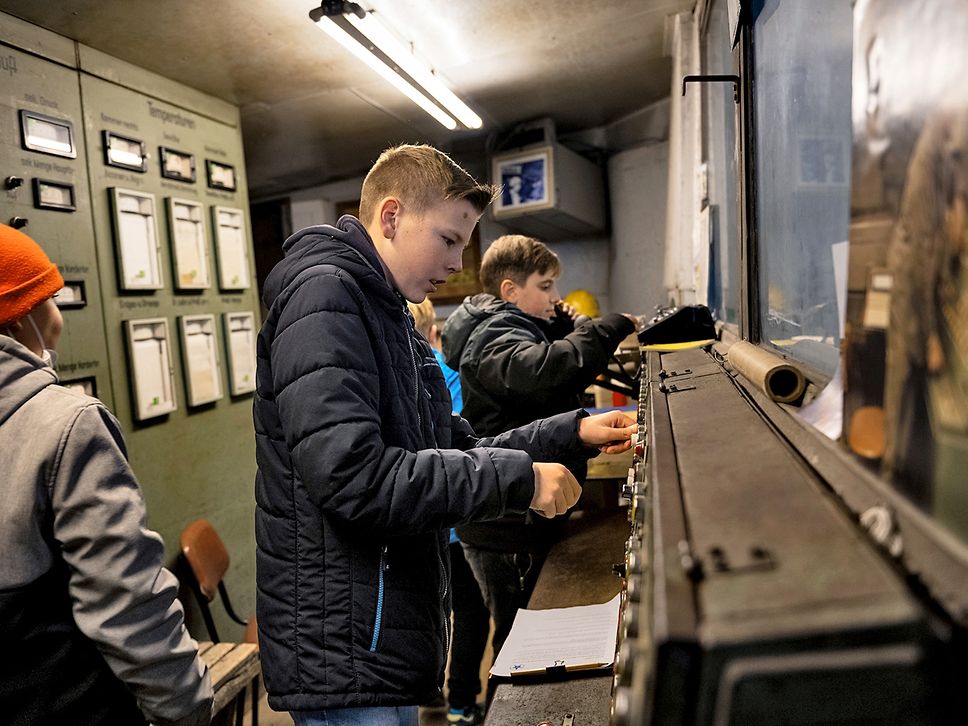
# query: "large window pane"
719,123
802,69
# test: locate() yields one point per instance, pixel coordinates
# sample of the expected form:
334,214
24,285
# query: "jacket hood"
464,321
22,376
347,245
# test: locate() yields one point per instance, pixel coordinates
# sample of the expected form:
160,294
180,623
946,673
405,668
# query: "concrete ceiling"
312,113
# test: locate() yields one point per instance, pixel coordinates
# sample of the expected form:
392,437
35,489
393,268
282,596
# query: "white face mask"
49,356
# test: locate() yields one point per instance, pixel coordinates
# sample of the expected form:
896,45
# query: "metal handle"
715,78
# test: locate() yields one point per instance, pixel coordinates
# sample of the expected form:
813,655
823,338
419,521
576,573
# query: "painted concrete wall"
637,180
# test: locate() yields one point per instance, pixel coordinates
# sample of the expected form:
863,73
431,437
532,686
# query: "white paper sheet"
575,638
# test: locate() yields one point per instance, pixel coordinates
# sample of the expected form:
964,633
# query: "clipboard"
559,642
559,672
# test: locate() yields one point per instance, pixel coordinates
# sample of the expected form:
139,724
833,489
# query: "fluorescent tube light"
382,39
331,16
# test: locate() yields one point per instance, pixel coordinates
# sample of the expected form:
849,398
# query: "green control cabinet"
135,186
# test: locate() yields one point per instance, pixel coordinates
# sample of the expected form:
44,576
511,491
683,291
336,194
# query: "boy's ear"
388,212
508,290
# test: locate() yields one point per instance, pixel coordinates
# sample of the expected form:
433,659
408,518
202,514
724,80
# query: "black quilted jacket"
515,368
362,469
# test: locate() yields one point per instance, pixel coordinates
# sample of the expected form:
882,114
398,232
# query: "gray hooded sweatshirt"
90,627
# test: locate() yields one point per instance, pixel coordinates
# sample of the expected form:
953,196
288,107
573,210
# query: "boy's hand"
555,490
609,432
568,309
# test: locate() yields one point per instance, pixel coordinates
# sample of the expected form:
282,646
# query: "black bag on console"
679,325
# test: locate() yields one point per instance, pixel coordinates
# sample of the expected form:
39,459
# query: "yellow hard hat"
584,303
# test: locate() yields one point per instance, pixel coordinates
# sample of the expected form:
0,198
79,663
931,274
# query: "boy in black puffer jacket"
362,465
521,358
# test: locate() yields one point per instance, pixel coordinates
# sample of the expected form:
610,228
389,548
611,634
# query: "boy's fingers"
576,490
620,418
617,434
561,502
616,447
562,499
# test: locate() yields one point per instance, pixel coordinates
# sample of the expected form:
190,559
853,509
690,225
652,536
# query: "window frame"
932,558
735,329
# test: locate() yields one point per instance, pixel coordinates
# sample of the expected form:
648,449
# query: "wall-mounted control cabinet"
176,237
133,237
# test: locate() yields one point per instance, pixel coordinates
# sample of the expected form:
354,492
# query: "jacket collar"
346,245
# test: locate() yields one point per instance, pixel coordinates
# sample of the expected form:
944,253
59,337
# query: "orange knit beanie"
27,276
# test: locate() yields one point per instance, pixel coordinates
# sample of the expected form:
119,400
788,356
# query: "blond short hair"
424,316
516,257
420,176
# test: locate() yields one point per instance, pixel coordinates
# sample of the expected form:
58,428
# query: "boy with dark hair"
521,357
362,465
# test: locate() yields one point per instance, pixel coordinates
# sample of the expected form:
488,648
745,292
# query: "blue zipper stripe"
379,608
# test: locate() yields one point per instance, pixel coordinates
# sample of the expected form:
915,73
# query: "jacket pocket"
378,619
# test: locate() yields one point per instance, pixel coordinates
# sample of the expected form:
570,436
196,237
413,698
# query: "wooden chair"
208,561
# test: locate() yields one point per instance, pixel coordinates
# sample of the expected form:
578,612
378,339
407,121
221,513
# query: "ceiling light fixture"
362,34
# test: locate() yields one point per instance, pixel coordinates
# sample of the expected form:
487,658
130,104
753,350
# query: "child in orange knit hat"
28,283
92,630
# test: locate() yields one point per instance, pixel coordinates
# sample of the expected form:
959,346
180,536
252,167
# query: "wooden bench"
232,667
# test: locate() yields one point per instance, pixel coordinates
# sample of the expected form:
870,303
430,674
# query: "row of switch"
635,490
11,183
56,196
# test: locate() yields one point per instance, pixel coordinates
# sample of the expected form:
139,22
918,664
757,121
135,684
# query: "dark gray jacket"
515,368
362,469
